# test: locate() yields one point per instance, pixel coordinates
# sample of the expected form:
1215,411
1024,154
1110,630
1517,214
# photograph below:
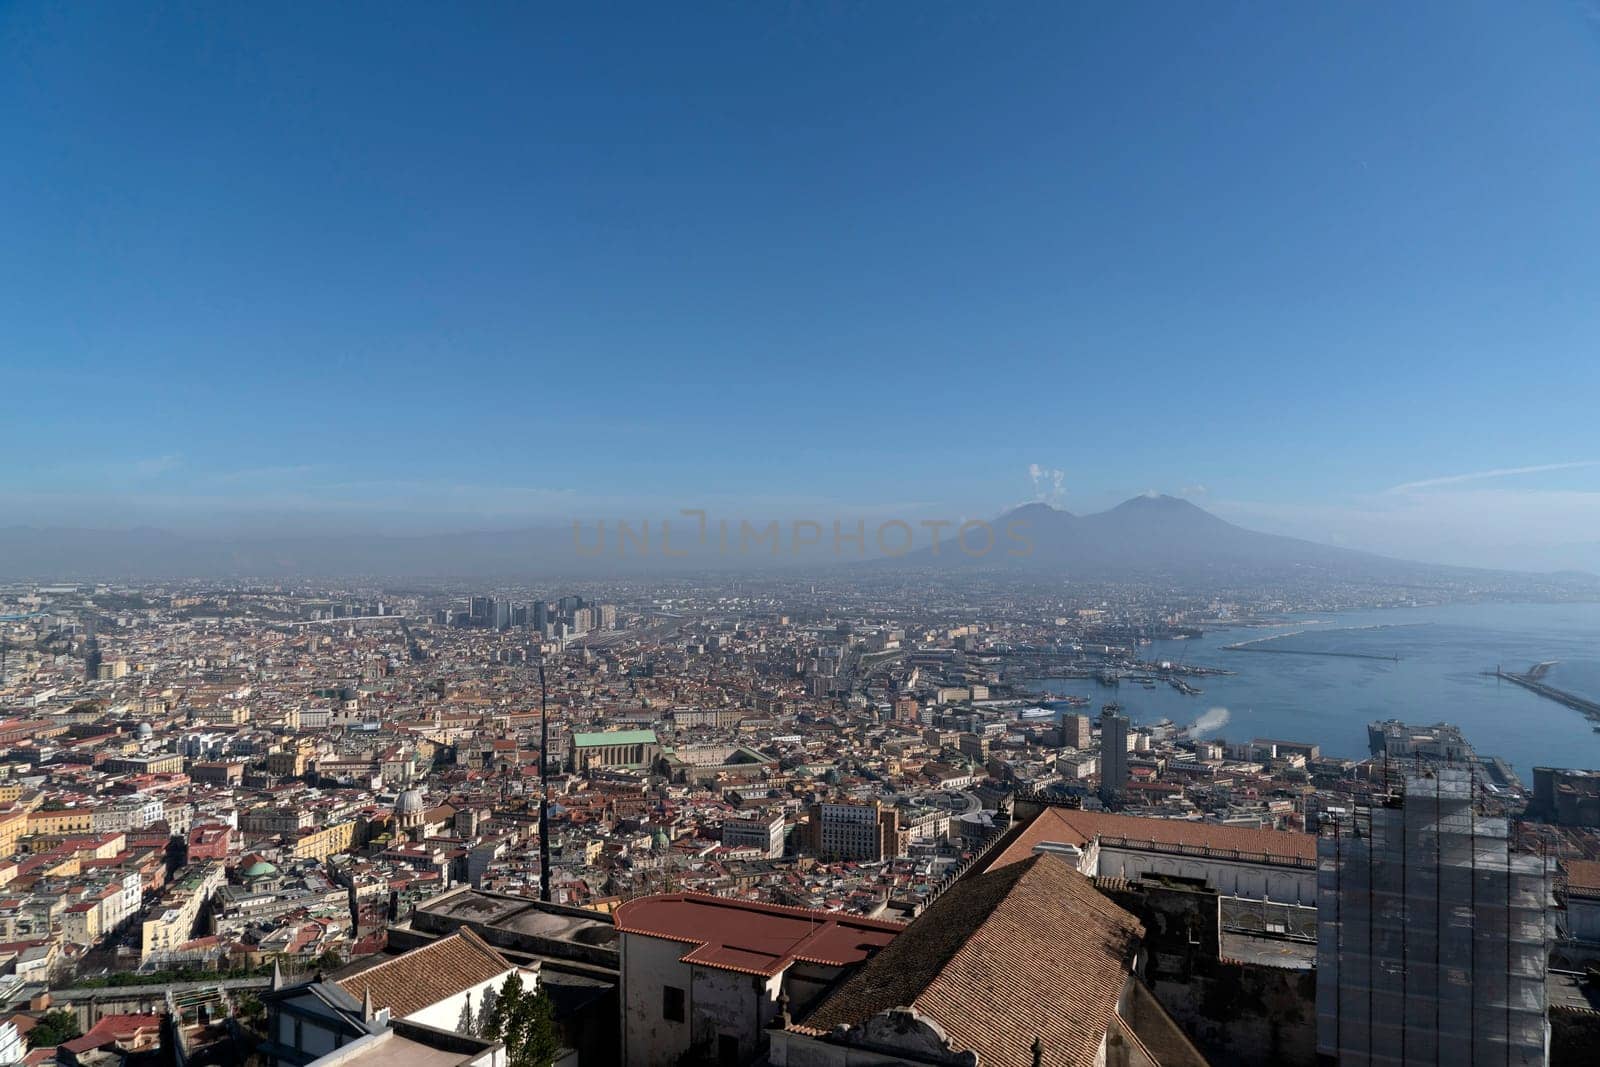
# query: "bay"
1438,676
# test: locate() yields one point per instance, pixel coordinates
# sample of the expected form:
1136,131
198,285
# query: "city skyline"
366,272
799,535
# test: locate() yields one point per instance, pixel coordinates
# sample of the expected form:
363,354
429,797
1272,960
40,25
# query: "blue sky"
410,266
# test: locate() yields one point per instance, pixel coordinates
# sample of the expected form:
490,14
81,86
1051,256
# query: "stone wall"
1574,1037
1237,1013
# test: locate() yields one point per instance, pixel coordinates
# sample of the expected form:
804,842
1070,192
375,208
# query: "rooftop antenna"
544,787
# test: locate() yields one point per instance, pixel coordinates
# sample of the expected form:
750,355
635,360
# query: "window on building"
672,1003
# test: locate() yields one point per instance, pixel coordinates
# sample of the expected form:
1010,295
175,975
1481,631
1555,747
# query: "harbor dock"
1533,681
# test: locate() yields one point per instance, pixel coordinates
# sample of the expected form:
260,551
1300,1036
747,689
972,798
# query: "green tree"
525,1020
248,1006
54,1028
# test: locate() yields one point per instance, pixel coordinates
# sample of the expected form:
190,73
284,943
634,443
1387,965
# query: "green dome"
260,869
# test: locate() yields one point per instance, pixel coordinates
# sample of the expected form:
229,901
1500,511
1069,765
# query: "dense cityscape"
215,793
799,534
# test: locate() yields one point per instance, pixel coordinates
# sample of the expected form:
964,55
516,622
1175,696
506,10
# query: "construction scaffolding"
1432,933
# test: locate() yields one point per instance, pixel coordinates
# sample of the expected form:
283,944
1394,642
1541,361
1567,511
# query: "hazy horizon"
1150,534
1396,532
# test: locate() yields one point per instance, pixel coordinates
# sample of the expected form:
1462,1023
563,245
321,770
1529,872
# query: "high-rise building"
850,831
1113,756
91,657
541,615
1567,797
1076,732
480,609
501,615
764,832
1432,932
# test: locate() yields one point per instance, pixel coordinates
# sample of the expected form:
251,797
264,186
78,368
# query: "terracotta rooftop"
114,1028
1583,878
1031,949
1074,827
408,983
752,938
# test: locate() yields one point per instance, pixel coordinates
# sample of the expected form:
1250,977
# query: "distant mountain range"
1147,536
1150,535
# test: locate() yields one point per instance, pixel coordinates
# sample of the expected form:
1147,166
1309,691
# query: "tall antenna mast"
544,787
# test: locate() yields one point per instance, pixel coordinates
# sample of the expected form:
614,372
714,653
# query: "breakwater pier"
1533,680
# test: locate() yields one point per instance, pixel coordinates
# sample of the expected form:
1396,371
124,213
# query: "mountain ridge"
1155,534
1145,535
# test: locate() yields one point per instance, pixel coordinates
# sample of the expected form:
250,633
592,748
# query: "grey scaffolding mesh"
1432,932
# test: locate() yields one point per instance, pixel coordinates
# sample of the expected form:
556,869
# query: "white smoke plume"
1049,484
1214,719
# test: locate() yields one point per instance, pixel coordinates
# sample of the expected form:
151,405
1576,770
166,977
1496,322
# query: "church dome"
408,803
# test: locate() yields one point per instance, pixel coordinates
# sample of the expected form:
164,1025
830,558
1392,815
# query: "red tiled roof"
1583,878
1002,957
1075,827
753,938
408,983
112,1028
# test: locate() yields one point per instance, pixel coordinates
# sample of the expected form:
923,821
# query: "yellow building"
100,846
224,714
288,764
80,923
61,821
13,824
172,922
329,840
160,763
65,867
117,668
